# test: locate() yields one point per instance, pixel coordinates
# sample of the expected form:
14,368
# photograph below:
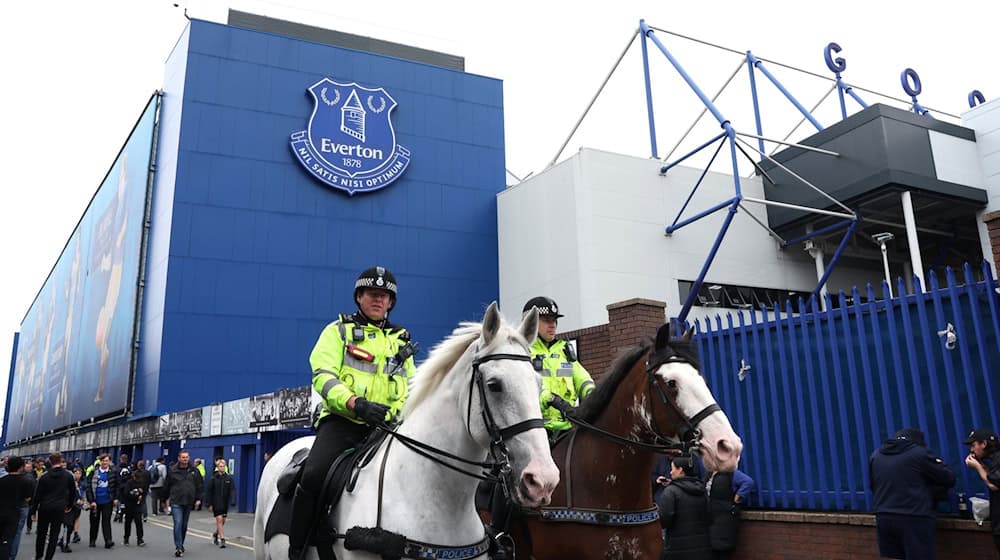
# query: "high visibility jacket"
201,470
561,376
354,357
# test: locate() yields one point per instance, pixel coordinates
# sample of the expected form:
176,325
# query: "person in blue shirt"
102,494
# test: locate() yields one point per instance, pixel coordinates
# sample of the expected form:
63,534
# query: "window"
740,297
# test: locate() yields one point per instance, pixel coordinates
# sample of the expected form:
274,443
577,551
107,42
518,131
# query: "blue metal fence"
813,392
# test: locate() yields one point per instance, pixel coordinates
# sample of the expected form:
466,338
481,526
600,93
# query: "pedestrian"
144,476
31,474
27,472
157,478
135,496
102,494
661,475
183,489
15,490
906,481
218,493
684,513
362,365
72,517
984,458
199,465
54,495
124,471
727,494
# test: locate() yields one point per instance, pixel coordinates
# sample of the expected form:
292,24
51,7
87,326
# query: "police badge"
350,143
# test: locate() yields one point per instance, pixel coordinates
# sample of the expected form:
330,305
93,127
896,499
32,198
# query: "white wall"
985,120
591,231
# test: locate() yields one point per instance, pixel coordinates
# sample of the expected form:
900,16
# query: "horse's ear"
662,337
529,326
688,334
491,324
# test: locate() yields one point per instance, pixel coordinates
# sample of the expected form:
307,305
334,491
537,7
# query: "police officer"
361,367
564,381
907,481
564,384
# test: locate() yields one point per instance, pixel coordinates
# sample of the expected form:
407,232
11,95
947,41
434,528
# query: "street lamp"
882,239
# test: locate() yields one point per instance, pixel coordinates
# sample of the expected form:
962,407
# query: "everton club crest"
350,143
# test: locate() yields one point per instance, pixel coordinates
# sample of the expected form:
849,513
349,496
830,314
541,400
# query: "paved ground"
159,540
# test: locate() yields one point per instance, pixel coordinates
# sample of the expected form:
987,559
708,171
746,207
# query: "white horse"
420,499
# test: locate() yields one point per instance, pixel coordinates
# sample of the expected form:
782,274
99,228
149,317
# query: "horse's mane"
598,400
446,353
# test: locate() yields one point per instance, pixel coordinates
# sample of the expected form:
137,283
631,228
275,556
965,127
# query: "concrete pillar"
911,237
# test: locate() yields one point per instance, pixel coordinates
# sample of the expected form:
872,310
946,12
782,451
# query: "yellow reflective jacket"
355,357
561,376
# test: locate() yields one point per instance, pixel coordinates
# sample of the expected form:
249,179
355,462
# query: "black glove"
562,405
372,413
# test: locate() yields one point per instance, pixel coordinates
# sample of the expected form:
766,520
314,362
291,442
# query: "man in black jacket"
906,480
54,494
183,489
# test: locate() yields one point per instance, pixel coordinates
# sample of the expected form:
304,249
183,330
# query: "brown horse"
603,507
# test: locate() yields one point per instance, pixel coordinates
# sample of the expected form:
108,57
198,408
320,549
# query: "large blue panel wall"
262,255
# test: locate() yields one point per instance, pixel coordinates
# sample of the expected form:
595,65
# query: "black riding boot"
500,511
303,509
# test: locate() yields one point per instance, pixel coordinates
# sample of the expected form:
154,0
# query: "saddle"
342,476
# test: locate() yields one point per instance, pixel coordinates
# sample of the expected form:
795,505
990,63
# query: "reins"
500,466
690,435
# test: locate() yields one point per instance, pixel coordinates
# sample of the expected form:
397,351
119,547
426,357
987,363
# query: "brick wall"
774,535
629,322
992,221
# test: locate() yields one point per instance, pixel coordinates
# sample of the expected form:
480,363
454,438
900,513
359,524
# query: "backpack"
154,476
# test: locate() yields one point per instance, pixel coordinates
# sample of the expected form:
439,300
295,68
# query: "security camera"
881,238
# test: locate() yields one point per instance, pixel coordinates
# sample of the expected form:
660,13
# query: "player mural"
74,359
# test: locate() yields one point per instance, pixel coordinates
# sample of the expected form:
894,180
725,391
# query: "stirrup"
501,545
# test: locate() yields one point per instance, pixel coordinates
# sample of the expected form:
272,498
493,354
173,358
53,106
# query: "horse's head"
505,415
682,399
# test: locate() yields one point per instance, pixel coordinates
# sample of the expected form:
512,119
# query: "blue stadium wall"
250,256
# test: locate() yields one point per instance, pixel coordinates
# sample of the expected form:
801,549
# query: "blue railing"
826,388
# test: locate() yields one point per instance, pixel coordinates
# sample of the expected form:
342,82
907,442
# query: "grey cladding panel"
880,148
347,40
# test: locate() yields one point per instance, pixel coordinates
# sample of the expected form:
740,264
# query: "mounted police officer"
361,366
565,382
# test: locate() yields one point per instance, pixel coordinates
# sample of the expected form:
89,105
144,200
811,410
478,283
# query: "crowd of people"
52,495
908,481
699,509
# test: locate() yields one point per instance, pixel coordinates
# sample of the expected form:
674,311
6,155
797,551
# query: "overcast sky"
77,74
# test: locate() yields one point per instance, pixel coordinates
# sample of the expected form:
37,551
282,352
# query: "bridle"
500,467
496,471
689,435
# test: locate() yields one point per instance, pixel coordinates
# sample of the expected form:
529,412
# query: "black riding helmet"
546,307
376,277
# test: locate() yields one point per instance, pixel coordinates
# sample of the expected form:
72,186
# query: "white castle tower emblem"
352,117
